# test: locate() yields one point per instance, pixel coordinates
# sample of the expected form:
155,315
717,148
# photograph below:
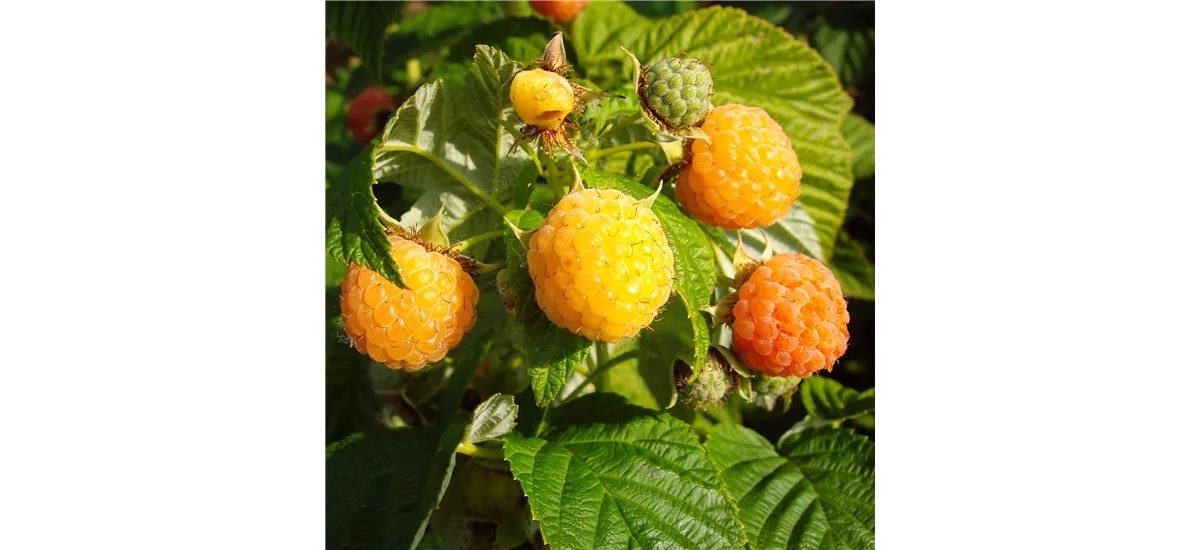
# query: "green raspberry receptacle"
677,91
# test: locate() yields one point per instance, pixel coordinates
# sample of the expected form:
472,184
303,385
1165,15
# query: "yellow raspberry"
747,177
541,98
790,318
409,327
600,265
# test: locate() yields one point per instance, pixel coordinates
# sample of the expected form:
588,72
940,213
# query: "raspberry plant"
583,273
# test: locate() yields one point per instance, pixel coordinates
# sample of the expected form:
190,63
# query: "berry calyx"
600,265
368,114
790,318
677,91
411,327
542,98
558,10
745,176
492,493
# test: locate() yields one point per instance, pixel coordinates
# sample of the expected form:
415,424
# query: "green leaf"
826,399
794,233
757,64
695,270
521,38
663,8
438,140
335,271
381,489
605,474
861,135
848,50
596,34
551,351
852,268
443,17
362,25
492,419
817,492
353,232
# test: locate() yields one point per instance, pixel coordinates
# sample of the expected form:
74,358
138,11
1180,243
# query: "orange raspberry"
600,265
790,317
409,327
747,177
558,10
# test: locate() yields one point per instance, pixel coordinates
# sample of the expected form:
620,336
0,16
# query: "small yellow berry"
541,98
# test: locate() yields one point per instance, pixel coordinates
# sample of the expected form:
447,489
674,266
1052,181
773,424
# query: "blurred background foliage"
425,41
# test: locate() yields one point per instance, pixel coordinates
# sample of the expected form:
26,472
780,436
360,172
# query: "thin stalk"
554,183
388,220
604,366
533,155
621,149
475,451
486,268
482,237
488,199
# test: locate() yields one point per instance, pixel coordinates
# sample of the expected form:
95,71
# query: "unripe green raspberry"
678,91
710,386
492,493
769,390
775,386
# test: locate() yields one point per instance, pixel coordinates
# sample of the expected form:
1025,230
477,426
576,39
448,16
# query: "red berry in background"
558,10
369,113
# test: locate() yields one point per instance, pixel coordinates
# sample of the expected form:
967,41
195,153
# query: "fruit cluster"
600,263
741,172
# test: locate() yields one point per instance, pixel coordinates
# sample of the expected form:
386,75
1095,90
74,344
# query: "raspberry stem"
621,149
390,222
487,199
473,450
524,145
552,171
481,267
605,365
483,237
